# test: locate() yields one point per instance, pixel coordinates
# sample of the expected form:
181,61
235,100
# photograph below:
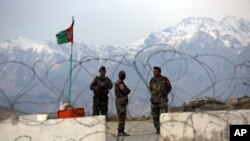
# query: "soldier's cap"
102,68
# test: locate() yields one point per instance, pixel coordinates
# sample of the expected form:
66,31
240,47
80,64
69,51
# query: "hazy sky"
114,22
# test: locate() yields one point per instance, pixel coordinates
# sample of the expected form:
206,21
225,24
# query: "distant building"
204,103
232,101
237,100
201,99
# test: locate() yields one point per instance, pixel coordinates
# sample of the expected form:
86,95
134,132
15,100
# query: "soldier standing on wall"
159,87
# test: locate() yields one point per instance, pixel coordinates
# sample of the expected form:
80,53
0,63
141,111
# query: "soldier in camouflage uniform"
121,92
100,87
159,87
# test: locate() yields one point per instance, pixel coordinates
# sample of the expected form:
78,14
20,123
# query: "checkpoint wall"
201,126
74,129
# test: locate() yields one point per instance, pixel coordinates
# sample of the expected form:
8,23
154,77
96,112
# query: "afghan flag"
65,36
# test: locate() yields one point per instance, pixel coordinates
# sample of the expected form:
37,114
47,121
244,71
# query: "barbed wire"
179,66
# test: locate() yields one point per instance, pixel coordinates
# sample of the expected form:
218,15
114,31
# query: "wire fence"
200,81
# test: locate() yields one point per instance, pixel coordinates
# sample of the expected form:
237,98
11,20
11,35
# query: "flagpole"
70,69
70,74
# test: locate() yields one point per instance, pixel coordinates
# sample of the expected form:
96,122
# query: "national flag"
65,36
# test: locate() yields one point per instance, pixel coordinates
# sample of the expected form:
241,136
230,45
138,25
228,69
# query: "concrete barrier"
201,126
34,118
72,129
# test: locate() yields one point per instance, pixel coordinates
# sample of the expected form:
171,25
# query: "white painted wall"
201,126
72,129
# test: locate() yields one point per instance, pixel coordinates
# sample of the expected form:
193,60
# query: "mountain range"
201,56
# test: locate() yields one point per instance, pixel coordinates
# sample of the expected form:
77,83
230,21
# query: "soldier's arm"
127,90
124,89
93,85
116,87
151,85
168,84
110,84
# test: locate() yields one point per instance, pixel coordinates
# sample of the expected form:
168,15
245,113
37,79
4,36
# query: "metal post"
70,74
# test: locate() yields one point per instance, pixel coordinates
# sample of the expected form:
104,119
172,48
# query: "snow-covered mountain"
201,56
230,31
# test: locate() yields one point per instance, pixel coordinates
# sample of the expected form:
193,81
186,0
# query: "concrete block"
35,117
72,129
201,126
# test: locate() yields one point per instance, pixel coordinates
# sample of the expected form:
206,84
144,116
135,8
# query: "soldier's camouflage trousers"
121,113
156,110
100,104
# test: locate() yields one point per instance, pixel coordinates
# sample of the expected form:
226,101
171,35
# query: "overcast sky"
115,22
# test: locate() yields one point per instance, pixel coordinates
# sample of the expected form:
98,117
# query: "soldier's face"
102,72
122,76
156,72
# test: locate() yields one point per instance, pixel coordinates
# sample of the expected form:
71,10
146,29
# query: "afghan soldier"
159,87
100,87
121,93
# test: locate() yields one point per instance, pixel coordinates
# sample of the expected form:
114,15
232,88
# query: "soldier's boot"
122,133
157,131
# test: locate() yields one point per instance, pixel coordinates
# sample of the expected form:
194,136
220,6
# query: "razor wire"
140,64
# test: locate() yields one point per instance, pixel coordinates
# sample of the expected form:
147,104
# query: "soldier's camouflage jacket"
121,96
159,88
104,85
